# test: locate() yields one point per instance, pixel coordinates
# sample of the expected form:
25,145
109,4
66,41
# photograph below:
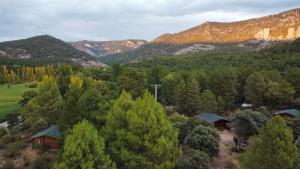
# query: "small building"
288,113
218,121
48,138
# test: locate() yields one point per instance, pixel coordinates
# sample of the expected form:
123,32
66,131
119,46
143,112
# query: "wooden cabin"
48,138
219,122
288,114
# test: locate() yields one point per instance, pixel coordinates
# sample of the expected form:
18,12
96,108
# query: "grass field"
9,98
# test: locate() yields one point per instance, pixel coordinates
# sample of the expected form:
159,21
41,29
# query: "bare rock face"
283,26
195,48
102,48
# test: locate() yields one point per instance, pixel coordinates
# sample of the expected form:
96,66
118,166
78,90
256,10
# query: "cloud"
73,20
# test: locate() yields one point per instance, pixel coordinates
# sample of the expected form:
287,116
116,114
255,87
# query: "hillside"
43,49
253,34
282,56
102,48
283,26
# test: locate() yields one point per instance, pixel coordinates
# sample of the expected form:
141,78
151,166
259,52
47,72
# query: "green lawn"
9,98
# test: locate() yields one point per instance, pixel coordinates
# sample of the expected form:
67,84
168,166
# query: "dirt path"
226,158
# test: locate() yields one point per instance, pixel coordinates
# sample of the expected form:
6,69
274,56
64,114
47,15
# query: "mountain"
283,26
43,49
252,34
102,48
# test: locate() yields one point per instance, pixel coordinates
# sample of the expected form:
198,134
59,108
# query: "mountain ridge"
103,48
44,48
282,26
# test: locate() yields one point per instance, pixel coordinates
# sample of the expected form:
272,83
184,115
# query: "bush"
248,123
8,165
3,132
42,162
205,139
178,120
33,85
12,150
195,160
189,126
7,139
39,125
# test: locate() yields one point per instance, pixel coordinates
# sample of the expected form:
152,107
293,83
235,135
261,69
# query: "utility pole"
155,87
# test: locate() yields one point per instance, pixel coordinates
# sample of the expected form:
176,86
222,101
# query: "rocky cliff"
103,48
283,26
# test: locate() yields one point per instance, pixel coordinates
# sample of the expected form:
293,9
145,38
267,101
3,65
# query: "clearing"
227,159
10,95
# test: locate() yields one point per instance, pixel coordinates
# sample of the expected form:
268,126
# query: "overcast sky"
73,20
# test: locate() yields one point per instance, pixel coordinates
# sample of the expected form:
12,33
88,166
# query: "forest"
109,117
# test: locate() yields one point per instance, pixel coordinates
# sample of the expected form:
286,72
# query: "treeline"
15,74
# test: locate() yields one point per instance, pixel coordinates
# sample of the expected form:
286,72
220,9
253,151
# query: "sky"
100,20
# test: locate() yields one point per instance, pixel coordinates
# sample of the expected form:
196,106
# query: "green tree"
116,71
247,123
26,97
272,148
72,113
205,139
155,74
221,105
223,82
208,102
279,93
194,160
48,104
255,89
84,148
133,81
93,106
168,89
139,135
188,98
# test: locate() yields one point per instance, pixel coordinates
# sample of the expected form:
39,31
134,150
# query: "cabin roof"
292,112
210,117
52,131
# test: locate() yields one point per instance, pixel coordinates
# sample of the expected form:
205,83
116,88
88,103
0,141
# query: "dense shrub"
205,139
7,139
42,162
189,126
13,149
33,85
294,124
195,160
39,125
247,123
178,120
3,132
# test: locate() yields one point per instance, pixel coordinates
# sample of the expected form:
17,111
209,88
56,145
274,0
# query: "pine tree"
139,135
188,98
71,114
208,102
255,89
48,104
273,148
84,149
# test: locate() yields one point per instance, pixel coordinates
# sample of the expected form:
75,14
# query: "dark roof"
292,112
53,131
211,118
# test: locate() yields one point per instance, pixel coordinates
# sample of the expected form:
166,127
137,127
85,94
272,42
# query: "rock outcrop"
283,26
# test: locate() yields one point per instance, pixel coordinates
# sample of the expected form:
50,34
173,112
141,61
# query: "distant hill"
283,26
102,48
43,50
253,34
284,56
